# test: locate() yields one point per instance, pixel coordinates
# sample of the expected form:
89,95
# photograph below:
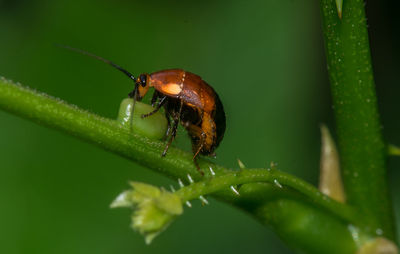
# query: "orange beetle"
187,99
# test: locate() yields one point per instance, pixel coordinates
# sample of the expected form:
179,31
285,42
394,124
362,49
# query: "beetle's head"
141,86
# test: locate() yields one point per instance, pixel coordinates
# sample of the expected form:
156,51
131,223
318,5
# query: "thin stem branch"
278,178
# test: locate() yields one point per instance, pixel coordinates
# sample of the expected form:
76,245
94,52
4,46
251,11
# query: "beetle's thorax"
168,82
186,86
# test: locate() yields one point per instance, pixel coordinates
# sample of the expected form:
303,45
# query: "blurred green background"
264,58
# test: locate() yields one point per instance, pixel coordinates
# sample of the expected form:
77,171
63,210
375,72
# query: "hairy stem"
362,150
111,135
278,178
299,207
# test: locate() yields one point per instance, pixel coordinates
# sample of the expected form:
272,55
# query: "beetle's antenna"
133,94
116,66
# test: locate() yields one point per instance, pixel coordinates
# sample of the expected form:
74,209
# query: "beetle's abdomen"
220,120
210,129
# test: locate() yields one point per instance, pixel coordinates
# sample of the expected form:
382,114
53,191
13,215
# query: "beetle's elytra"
187,99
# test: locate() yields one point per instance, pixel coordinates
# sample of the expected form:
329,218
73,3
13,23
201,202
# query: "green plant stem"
106,133
110,135
270,204
362,150
278,178
323,235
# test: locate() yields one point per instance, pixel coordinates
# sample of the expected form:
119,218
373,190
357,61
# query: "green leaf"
154,208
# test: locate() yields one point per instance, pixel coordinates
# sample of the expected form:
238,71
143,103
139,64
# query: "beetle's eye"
143,80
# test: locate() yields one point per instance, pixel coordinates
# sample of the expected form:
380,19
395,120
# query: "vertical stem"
361,148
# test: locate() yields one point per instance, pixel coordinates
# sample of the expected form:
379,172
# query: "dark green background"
264,58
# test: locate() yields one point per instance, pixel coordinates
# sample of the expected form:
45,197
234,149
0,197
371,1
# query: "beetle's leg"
196,148
202,140
177,118
167,115
159,105
196,163
154,98
173,135
196,131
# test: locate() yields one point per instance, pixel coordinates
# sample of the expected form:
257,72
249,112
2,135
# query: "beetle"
187,99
